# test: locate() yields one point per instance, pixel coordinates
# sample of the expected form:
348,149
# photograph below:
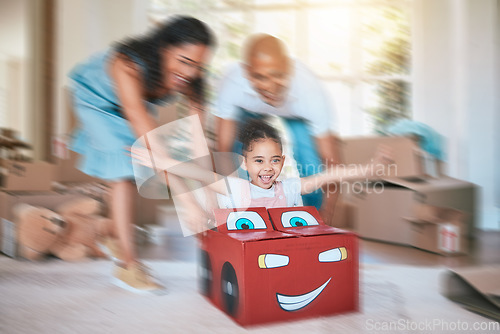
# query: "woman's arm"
130,89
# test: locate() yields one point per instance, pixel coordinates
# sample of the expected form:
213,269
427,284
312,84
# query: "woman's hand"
141,156
152,159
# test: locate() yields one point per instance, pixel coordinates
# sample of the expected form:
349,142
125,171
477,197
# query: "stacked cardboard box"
25,175
18,174
44,184
32,182
17,170
381,206
69,179
8,201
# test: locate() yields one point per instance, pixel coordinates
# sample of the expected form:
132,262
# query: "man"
269,82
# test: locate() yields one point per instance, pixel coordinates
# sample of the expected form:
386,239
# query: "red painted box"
266,265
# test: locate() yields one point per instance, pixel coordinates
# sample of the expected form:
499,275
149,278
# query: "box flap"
415,220
301,221
476,288
429,184
430,214
318,230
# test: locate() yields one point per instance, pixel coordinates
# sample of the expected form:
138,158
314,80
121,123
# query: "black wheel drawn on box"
229,288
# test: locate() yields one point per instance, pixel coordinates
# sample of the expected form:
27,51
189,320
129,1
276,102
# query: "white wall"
497,116
88,26
14,20
455,58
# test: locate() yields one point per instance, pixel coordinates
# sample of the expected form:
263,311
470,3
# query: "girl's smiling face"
264,161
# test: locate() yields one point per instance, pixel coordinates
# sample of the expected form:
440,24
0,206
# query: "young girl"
264,159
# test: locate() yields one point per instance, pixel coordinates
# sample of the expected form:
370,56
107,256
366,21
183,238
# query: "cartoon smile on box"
265,265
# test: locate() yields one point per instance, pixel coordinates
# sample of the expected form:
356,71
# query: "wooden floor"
485,249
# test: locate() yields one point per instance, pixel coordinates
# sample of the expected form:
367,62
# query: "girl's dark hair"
257,129
176,31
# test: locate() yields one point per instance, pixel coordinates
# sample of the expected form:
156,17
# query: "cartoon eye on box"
243,220
297,219
288,219
278,264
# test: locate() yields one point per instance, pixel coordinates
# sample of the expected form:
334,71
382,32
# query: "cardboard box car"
406,154
8,200
26,176
439,230
279,264
380,207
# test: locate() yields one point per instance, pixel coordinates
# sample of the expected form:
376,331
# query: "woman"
113,92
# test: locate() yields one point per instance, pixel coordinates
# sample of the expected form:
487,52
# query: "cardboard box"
442,237
439,230
8,200
382,206
66,171
407,156
379,216
26,176
450,193
343,215
145,209
280,264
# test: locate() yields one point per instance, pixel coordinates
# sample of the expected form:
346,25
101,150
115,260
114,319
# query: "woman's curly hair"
257,129
174,32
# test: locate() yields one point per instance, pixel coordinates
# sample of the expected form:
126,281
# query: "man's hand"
328,150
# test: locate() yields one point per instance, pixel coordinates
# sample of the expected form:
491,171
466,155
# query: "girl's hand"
383,155
382,161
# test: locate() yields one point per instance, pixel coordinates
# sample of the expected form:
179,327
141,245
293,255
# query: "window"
359,48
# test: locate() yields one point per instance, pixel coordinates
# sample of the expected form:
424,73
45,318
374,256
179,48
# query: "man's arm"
328,149
226,134
329,152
